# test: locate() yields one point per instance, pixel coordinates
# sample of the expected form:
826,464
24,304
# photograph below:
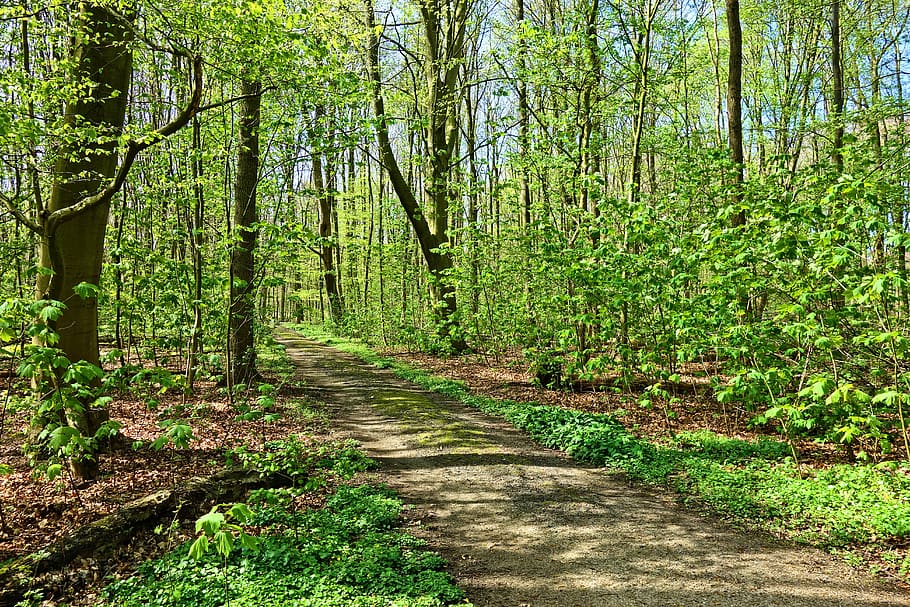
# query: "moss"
433,426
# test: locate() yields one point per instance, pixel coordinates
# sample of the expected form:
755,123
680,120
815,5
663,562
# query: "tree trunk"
73,249
442,67
588,159
243,302
524,121
837,85
197,227
734,109
326,216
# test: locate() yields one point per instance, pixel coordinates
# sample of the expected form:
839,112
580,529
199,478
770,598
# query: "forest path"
526,526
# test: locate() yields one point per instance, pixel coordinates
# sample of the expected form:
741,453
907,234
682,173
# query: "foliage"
63,391
348,553
306,463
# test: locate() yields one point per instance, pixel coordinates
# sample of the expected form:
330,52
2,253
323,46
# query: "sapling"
223,531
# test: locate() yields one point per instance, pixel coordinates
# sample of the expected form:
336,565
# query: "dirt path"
525,526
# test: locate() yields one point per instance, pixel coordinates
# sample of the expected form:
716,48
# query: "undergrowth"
837,507
348,553
271,552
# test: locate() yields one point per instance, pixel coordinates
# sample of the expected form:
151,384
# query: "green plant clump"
346,554
304,463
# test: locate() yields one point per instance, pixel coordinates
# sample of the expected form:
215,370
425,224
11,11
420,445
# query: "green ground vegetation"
268,552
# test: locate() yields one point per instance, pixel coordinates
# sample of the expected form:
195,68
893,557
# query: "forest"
680,203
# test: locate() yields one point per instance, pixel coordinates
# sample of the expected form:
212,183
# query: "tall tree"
837,87
323,183
90,169
524,120
735,109
242,314
443,26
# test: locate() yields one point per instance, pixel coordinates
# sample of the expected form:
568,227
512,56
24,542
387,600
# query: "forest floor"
523,525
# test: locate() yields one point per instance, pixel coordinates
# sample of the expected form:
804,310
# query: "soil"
35,512
525,526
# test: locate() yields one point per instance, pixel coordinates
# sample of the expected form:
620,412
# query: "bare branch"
20,216
218,104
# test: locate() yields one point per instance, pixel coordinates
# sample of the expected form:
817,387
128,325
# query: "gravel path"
525,526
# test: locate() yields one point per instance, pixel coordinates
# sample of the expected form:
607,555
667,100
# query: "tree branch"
20,216
133,148
218,104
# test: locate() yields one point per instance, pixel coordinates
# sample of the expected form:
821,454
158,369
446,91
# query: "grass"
838,507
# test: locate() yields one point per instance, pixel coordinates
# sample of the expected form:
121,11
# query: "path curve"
526,526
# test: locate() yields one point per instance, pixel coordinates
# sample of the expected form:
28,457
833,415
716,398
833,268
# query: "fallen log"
101,539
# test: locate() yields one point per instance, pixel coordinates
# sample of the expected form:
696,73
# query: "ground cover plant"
859,510
349,552
317,542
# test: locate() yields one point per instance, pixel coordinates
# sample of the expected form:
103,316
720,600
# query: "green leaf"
86,290
889,397
224,543
250,542
210,523
199,548
240,513
51,311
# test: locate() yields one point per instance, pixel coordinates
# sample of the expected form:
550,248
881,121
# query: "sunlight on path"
523,525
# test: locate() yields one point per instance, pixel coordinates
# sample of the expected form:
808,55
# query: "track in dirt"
523,525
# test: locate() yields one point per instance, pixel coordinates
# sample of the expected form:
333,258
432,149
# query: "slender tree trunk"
524,188
242,313
591,82
734,110
442,67
330,274
197,227
837,85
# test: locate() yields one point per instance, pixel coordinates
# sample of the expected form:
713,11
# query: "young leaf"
210,523
199,548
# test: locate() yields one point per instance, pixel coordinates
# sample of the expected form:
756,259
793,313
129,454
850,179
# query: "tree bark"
524,120
327,214
197,228
243,302
837,85
72,251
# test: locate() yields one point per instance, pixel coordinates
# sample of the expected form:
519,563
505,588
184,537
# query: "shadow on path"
523,525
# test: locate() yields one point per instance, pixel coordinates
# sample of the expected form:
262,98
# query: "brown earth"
525,526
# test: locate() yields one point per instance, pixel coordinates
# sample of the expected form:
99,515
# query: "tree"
837,87
242,313
443,26
323,183
90,169
735,109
